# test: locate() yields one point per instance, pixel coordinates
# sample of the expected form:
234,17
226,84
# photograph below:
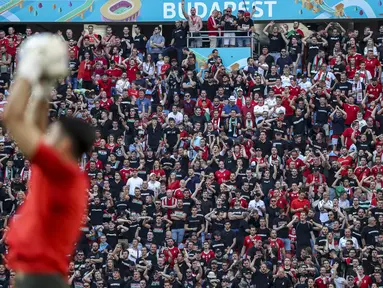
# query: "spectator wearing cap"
246,25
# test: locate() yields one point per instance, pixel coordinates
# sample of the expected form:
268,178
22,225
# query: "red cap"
246,14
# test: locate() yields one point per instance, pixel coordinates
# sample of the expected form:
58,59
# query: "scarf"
216,123
249,123
317,63
25,174
359,95
233,126
9,173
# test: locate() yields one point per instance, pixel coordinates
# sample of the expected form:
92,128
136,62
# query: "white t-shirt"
254,205
133,183
155,186
260,109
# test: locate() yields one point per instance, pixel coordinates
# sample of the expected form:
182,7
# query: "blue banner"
170,10
232,58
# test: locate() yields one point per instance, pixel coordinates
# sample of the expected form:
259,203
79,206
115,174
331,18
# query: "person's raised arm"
25,132
186,15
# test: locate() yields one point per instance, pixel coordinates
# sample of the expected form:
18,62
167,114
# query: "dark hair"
81,134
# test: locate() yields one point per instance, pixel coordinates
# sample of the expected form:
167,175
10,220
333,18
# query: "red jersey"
312,178
85,70
171,254
372,65
374,90
164,68
74,49
131,73
351,71
351,111
278,90
207,256
114,73
293,195
321,282
106,86
243,202
277,243
57,183
222,176
125,172
4,42
286,104
133,92
297,203
294,91
347,135
106,103
377,169
298,163
358,58
11,50
361,172
282,203
248,242
365,282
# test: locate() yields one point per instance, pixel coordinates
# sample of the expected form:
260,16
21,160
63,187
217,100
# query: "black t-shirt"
258,88
227,237
245,25
195,222
139,42
299,125
332,41
294,51
370,235
303,233
322,114
279,222
96,214
276,43
313,50
179,36
73,66
172,135
346,87
273,214
229,22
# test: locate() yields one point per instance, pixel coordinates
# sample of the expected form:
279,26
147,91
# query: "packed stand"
269,176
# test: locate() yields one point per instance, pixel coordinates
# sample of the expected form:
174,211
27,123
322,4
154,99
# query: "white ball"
52,52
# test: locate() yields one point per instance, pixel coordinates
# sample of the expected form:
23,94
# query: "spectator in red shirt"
373,64
349,135
105,84
222,175
132,70
300,205
85,72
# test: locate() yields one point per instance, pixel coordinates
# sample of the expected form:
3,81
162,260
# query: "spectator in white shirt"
134,182
271,101
258,205
260,108
122,84
153,184
176,115
348,237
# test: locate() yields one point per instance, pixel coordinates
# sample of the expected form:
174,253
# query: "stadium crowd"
266,176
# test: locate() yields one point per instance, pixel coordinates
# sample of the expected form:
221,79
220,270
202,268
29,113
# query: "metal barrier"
205,37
